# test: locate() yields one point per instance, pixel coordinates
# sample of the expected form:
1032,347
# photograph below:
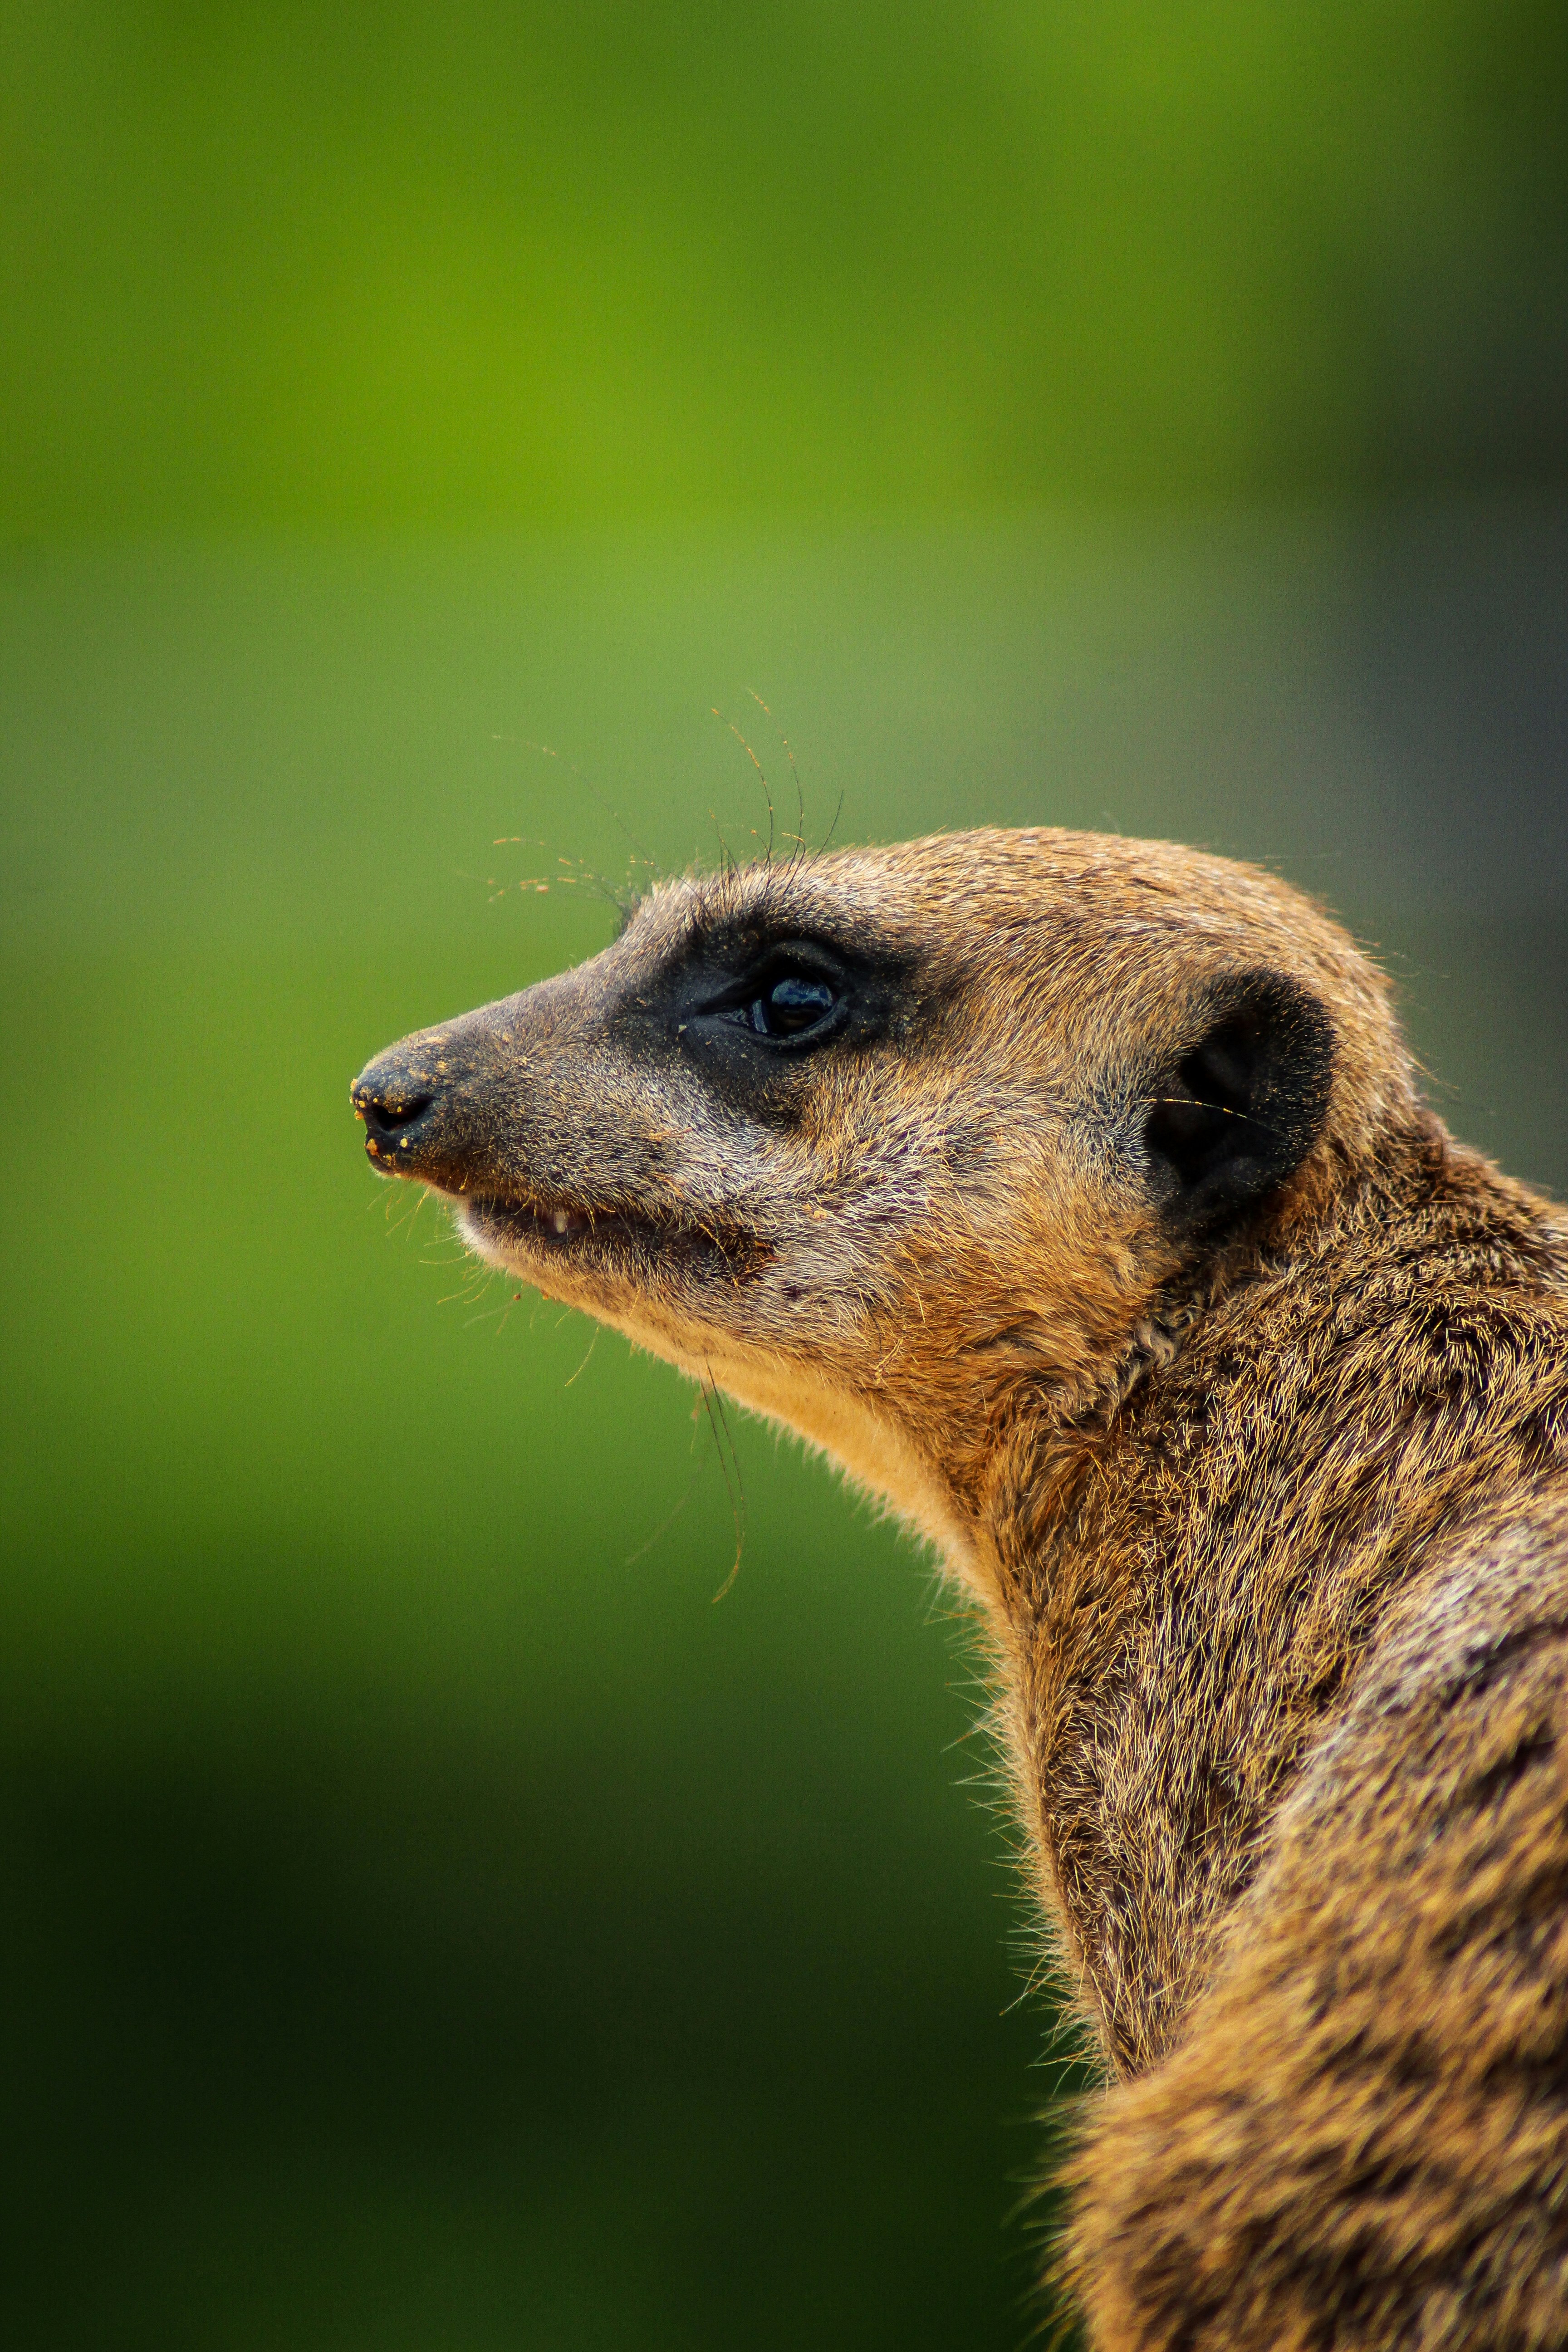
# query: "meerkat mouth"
546,1225
530,1230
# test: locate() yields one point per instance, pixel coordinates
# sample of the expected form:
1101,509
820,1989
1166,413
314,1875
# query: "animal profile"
1077,1195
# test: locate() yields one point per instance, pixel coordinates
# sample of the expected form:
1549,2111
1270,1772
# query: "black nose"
395,1107
383,1114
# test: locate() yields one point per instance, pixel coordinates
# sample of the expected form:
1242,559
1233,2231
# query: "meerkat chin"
1076,1195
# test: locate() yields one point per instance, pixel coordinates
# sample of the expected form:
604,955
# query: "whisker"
767,795
669,1518
718,1419
592,790
794,772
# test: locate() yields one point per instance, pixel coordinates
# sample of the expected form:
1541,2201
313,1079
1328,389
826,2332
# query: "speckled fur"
1270,1529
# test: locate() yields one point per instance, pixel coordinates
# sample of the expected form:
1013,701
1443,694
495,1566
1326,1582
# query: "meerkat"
1076,1195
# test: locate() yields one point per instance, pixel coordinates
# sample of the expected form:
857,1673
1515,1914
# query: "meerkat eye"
798,996
791,1007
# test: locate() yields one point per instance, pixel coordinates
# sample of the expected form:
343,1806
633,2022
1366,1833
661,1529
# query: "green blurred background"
431,1922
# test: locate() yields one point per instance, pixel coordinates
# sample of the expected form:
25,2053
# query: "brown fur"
1267,1512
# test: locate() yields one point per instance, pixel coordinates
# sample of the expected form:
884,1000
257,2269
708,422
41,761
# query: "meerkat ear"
1236,1111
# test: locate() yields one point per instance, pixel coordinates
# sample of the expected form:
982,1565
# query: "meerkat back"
1076,1195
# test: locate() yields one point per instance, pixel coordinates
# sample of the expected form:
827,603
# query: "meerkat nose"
395,1106
388,1115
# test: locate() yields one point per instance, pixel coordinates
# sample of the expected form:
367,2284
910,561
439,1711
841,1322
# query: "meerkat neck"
1188,1589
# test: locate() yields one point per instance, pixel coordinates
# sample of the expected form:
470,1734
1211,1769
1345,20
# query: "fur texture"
1076,1195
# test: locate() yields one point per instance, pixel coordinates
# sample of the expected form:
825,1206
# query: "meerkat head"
883,1141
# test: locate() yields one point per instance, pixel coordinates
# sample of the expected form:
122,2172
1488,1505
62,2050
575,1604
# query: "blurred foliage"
420,262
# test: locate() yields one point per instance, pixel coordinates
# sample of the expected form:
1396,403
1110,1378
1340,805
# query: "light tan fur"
1213,1479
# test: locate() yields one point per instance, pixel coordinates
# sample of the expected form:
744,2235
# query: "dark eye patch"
754,1012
